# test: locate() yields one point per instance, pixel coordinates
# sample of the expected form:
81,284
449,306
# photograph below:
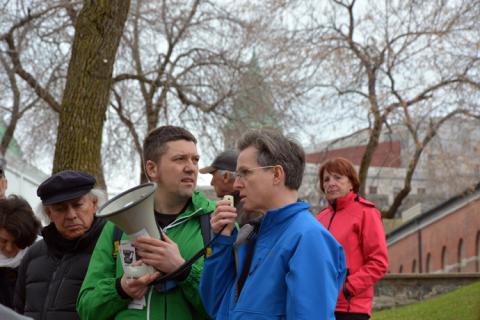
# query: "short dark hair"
276,149
340,166
17,217
154,145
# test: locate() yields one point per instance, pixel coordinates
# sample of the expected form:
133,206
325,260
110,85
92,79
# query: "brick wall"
450,244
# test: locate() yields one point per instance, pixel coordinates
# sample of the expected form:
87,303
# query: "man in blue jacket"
283,265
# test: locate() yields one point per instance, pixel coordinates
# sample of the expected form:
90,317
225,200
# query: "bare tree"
392,63
18,105
38,41
35,43
178,61
189,67
98,30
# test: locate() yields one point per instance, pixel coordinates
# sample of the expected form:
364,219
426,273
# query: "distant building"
449,163
23,179
253,106
443,239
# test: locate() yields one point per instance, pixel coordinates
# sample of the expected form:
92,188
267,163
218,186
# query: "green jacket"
99,299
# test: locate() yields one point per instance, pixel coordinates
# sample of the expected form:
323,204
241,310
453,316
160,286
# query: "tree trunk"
98,30
372,145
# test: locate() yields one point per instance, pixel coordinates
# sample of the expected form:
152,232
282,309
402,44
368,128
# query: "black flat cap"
65,185
227,160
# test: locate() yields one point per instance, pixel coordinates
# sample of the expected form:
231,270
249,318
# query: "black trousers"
351,316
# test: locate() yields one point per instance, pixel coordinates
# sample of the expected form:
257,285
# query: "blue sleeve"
316,272
218,274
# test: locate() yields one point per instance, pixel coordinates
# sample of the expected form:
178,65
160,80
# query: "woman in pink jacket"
357,225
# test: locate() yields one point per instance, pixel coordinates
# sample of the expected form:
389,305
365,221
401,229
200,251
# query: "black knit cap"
227,160
65,185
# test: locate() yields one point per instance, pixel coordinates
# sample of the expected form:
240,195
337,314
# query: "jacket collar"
60,245
344,201
199,205
278,216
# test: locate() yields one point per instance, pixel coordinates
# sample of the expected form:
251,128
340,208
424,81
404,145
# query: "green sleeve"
189,288
98,297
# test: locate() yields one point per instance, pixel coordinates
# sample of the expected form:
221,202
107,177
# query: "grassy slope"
461,304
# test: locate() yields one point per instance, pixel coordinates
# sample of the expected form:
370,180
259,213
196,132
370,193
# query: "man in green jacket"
171,160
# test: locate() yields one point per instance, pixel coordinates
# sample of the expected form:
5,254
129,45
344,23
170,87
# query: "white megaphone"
133,212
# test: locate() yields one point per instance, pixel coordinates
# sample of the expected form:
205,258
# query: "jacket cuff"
120,291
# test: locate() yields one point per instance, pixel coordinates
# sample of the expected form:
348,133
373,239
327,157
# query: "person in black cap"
52,271
222,170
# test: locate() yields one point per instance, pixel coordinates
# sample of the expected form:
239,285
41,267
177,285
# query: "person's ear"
151,169
226,176
95,202
278,175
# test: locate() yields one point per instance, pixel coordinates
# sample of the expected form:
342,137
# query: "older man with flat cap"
52,271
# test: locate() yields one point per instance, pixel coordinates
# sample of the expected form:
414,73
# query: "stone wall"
401,289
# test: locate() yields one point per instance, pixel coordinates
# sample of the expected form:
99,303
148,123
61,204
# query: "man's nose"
190,166
71,213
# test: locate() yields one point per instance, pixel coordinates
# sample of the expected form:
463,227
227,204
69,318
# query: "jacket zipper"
48,300
345,291
334,206
347,294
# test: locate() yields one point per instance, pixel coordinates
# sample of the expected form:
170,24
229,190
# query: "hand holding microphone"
225,215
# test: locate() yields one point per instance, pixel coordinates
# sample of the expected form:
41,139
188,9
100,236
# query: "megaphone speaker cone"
133,211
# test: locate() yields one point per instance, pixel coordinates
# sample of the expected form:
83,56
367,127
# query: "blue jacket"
296,272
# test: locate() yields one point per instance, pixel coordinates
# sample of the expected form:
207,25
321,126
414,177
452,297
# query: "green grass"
461,304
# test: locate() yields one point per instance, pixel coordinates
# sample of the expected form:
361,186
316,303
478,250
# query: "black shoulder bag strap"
192,260
251,241
117,236
205,228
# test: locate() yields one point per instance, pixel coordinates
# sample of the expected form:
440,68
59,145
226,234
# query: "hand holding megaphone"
224,216
163,255
137,287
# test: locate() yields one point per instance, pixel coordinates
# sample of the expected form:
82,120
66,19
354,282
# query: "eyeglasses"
242,173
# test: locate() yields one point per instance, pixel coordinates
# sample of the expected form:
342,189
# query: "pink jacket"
357,225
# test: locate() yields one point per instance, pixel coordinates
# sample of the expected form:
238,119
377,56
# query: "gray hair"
96,194
276,149
231,174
